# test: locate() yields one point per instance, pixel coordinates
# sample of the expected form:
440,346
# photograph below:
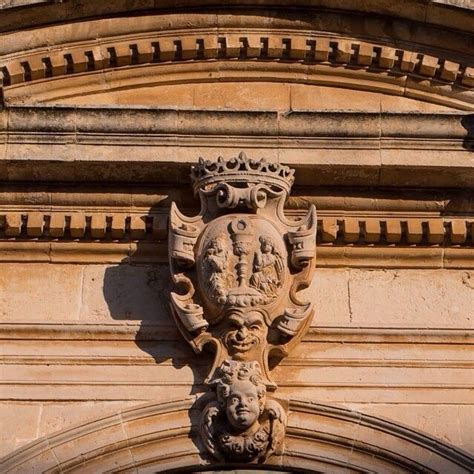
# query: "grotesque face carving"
245,332
242,405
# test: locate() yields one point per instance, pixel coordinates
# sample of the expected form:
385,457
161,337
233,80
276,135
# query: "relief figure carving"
216,261
268,269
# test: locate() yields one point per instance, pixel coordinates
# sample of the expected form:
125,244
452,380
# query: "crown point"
241,171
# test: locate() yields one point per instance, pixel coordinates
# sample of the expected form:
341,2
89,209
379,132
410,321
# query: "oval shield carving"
241,262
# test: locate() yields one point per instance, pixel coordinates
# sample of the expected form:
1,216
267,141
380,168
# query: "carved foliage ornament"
239,265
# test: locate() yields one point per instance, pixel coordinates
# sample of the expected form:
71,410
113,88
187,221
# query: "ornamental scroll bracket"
239,266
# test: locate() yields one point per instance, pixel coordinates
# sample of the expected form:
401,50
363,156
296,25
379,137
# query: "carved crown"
241,170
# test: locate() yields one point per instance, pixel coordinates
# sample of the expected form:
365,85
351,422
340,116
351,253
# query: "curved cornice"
331,47
161,436
67,73
454,14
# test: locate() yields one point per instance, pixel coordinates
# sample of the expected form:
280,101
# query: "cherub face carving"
241,394
245,333
241,425
242,405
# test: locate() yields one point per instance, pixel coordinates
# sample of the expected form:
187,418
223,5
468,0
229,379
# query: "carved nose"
241,334
243,403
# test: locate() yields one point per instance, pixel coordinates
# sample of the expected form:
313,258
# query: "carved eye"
255,327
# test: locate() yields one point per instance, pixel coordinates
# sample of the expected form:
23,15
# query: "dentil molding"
256,45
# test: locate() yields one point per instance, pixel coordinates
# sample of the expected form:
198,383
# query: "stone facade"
341,309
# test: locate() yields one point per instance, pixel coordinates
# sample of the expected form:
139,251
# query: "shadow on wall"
468,123
139,292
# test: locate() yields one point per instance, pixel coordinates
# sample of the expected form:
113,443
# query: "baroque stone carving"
240,264
240,424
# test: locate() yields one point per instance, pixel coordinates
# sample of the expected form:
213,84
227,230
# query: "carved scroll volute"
239,266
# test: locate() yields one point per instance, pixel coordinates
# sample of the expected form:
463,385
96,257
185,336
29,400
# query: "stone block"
458,231
322,49
145,51
329,230
313,97
38,291
57,225
126,292
298,48
428,66
13,224
435,231
343,51
20,424
387,57
366,54
67,450
410,298
35,224
414,231
393,232
408,61
446,422
449,71
98,226
77,225
118,226
238,96
372,230
232,46
329,294
351,230
137,227
468,77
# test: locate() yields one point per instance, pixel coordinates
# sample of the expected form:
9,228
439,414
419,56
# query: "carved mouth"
242,346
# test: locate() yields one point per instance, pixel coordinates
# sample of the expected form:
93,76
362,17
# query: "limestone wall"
104,108
86,340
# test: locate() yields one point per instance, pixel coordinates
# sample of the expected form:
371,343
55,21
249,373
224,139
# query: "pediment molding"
452,14
317,44
304,57
309,47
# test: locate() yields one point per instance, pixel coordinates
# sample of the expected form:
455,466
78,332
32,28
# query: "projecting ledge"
156,145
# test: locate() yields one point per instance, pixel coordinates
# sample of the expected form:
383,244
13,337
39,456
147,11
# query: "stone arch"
161,437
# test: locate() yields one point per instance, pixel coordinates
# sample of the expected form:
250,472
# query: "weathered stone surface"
25,431
24,295
89,293
410,299
435,419
102,116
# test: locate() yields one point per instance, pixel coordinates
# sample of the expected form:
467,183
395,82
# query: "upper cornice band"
31,13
